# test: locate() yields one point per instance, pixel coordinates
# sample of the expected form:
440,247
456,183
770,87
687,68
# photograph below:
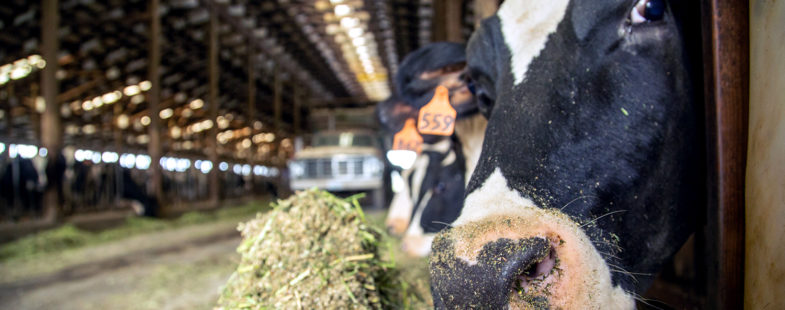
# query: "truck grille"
327,168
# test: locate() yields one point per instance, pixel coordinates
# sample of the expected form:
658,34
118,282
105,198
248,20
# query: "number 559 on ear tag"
438,116
408,139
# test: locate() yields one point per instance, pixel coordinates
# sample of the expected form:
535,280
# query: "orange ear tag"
438,116
408,139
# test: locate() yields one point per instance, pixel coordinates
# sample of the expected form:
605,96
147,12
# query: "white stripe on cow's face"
495,211
526,25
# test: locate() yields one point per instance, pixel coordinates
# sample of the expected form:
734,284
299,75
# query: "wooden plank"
51,124
484,9
278,99
726,61
212,142
154,187
453,21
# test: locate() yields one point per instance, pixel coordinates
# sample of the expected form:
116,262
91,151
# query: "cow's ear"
483,90
393,113
482,64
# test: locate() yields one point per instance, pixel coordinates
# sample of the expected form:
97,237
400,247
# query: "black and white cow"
435,184
592,164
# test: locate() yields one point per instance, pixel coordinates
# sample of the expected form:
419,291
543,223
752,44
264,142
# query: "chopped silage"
312,251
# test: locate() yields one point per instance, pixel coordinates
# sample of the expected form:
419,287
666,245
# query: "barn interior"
200,103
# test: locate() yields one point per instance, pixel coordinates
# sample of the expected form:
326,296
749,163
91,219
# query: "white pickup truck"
340,161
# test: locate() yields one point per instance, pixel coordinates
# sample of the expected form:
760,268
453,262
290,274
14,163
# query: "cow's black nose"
519,262
501,267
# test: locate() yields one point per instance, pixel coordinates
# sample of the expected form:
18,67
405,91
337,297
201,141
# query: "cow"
592,164
435,184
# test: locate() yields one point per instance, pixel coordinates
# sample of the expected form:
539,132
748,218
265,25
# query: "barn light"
97,102
355,32
112,97
176,132
42,152
342,9
223,166
223,123
349,22
137,99
206,166
207,124
109,157
246,170
20,72
145,120
40,104
143,139
89,129
196,104
246,143
359,41
166,113
143,162
122,121
37,61
132,90
145,85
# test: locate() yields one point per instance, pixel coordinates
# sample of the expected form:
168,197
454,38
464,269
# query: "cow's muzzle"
503,269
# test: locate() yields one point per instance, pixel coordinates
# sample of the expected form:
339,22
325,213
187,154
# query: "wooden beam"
297,113
484,9
51,124
251,86
212,112
154,187
726,53
277,98
447,21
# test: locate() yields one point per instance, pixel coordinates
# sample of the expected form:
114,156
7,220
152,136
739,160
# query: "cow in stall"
435,183
592,165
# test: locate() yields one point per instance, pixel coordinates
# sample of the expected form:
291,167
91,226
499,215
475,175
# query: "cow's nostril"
535,273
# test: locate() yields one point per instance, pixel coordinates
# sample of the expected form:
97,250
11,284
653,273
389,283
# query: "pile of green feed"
312,251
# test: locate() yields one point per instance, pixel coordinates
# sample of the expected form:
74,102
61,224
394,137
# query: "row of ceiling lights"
358,47
20,68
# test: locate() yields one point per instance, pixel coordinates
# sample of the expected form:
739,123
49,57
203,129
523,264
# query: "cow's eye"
647,11
471,87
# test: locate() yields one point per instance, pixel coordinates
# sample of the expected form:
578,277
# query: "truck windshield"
344,139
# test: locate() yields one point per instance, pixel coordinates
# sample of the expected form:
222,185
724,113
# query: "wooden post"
251,152
298,96
447,21
9,115
251,85
484,9
212,112
277,98
51,126
154,186
726,53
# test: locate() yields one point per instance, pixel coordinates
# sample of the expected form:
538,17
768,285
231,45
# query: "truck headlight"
296,169
374,166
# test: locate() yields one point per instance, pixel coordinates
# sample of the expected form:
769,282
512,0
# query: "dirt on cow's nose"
502,269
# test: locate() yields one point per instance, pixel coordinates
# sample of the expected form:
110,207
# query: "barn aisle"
182,268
